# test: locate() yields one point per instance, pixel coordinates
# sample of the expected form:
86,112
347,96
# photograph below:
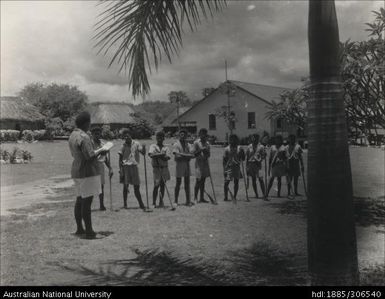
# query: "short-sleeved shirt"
232,156
130,154
98,145
199,146
255,155
85,163
155,149
294,152
179,148
278,156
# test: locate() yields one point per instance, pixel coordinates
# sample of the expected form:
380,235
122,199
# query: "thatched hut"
18,114
115,114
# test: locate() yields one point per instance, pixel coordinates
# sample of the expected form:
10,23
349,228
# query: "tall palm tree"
332,246
129,28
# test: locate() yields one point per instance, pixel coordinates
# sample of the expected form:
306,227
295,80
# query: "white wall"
241,104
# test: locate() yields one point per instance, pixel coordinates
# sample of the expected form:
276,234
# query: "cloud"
251,7
263,42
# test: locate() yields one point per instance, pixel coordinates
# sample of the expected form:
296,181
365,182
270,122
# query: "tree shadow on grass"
149,267
368,211
264,264
373,276
260,264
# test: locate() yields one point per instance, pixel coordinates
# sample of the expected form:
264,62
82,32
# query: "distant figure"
183,155
232,158
277,164
102,160
160,154
85,173
255,154
129,158
202,169
295,163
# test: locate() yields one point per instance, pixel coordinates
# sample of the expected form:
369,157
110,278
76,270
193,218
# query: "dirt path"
247,243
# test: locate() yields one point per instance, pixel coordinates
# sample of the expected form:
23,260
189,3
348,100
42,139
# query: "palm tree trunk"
332,250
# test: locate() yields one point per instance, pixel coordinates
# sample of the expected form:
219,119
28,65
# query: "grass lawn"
254,243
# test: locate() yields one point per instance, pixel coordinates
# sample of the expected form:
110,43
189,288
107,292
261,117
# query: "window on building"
279,123
251,120
212,122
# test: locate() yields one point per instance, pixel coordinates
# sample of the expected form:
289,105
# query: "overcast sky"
263,41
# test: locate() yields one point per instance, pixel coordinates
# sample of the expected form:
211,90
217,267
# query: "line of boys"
283,161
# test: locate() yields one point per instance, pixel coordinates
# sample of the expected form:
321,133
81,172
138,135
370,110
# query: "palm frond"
139,32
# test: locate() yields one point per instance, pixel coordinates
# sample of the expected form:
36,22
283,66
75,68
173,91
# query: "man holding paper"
85,173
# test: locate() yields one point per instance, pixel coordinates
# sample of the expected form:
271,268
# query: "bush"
9,135
41,135
4,155
16,156
246,140
107,134
27,135
141,129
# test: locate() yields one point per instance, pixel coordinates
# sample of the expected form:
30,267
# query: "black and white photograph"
192,143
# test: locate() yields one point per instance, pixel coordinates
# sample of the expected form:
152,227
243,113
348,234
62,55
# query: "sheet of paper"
109,145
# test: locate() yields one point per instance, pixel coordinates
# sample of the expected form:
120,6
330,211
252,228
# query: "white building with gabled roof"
250,102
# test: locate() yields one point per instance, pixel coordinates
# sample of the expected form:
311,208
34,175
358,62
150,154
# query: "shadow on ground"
368,211
261,264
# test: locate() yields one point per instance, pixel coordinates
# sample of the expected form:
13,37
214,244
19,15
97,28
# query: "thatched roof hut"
116,114
18,114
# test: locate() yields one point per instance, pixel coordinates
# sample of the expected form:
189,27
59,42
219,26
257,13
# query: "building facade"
248,102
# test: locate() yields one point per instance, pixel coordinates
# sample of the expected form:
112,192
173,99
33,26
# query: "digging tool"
244,180
165,185
145,178
212,187
304,182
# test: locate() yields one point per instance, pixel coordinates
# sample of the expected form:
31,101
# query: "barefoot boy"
232,158
202,170
183,155
102,160
295,163
129,157
255,154
160,154
277,164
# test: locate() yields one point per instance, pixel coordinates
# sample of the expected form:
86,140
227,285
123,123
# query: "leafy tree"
228,116
291,108
180,98
140,32
207,90
154,112
55,100
363,84
363,75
